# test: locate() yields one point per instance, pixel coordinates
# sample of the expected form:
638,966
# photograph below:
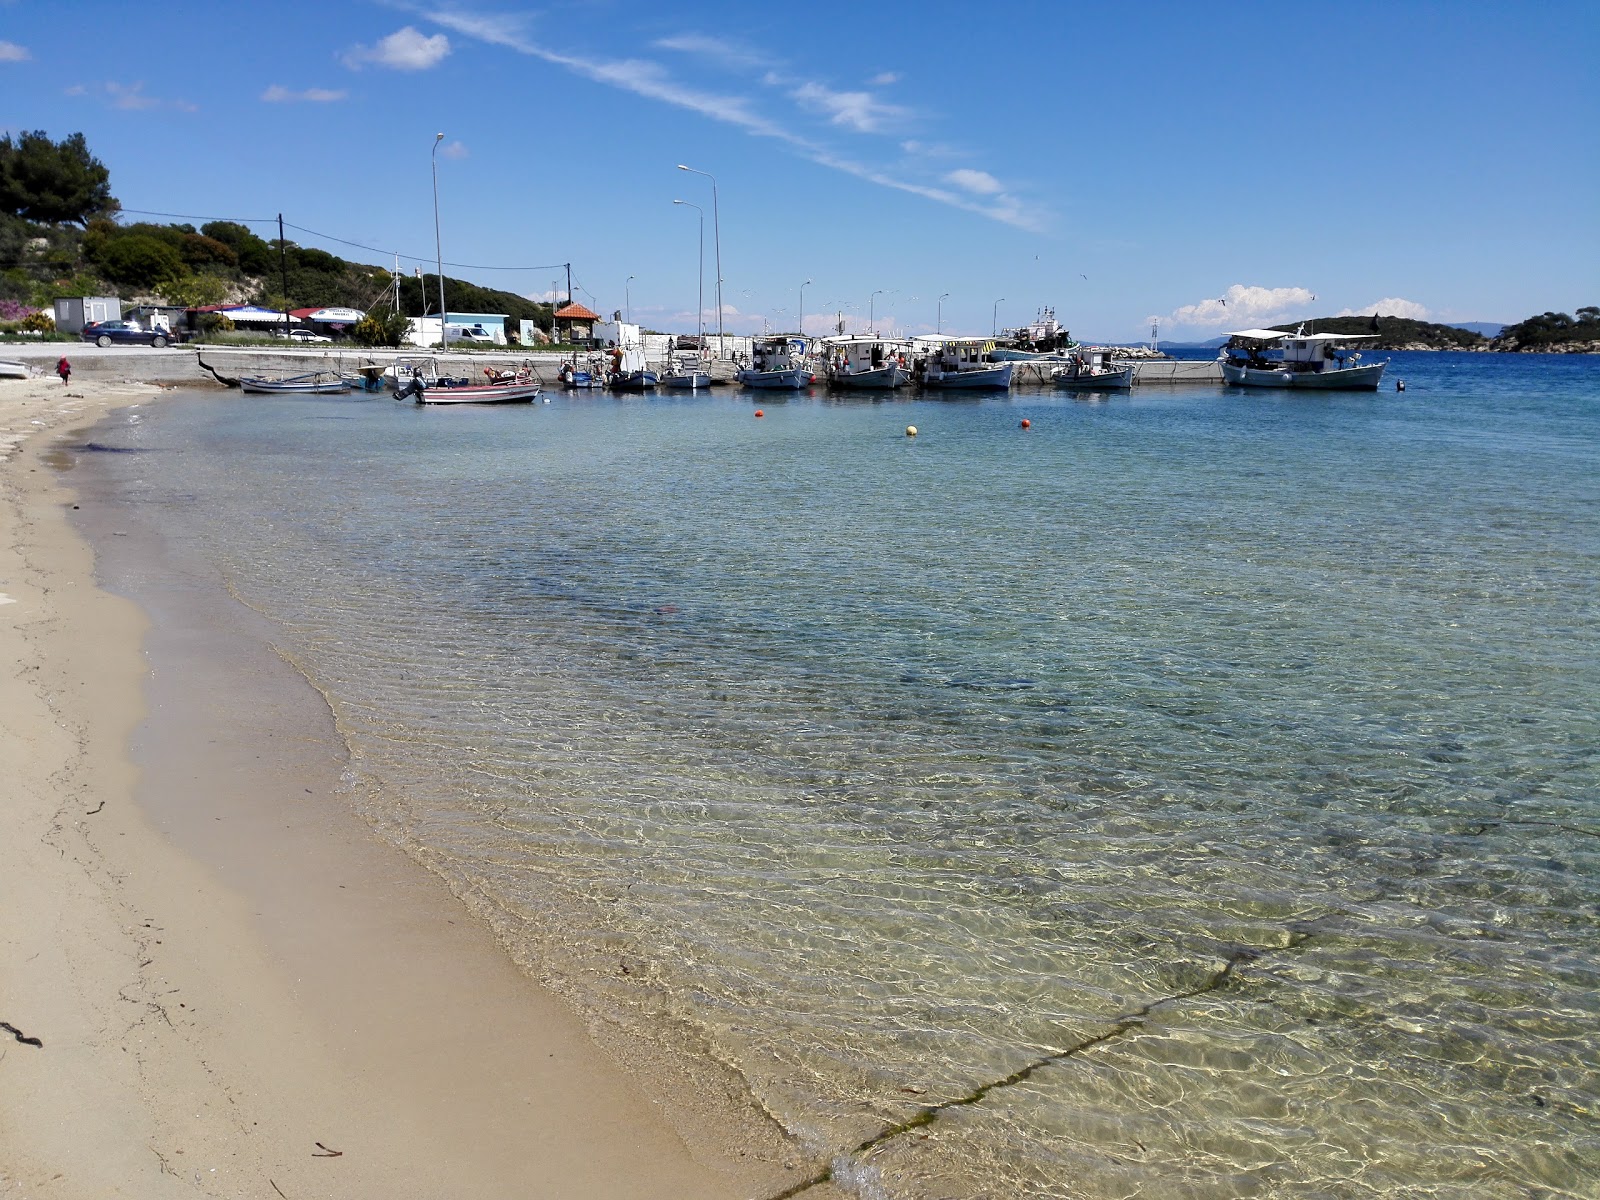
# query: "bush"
377,329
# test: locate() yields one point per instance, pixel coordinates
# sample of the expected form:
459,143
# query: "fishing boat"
950,363
590,376
866,362
317,383
779,363
1044,338
1091,370
630,372
685,371
1271,358
420,380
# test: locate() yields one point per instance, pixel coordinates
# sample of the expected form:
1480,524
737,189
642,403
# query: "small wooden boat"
963,363
629,371
873,363
685,371
589,377
420,380
1093,371
318,383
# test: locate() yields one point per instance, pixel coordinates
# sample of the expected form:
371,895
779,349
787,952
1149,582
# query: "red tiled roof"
576,312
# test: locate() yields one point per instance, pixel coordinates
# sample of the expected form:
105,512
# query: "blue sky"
1116,161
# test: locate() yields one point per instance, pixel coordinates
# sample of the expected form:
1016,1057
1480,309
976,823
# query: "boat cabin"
778,353
960,354
853,356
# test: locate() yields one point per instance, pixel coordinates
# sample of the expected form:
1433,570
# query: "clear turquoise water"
1233,761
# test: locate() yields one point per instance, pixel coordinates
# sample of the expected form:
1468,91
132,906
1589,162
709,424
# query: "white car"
302,335
477,336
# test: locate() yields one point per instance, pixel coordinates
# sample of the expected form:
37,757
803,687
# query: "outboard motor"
412,387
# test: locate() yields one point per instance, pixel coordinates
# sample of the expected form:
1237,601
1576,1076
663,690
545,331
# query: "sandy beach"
215,984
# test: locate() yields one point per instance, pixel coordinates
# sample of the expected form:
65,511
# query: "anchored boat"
779,362
1271,358
420,380
866,362
1092,370
951,362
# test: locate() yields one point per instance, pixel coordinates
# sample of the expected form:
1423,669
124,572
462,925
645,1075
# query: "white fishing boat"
590,376
629,371
421,380
952,362
1271,358
866,362
685,371
779,362
1091,370
1044,338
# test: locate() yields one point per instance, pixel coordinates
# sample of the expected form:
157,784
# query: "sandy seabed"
239,990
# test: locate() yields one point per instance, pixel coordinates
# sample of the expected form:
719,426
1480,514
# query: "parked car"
301,335
477,335
123,333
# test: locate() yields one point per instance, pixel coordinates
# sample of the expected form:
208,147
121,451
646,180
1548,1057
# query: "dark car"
110,333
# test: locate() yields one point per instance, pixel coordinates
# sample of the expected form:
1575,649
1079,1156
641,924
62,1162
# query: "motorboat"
421,380
1272,358
952,362
866,362
779,362
685,371
317,383
1091,370
1043,338
629,371
587,377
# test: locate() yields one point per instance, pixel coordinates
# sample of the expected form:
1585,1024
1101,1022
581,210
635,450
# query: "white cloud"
722,50
278,94
860,111
980,183
1242,305
11,52
1389,306
128,96
454,150
885,79
404,50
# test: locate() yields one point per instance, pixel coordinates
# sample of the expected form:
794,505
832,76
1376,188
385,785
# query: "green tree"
139,261
45,180
192,291
380,329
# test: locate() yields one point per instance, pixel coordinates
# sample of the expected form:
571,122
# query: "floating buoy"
759,413
1399,385
911,431
1027,424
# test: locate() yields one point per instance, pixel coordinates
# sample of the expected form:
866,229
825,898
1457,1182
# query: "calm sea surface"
1196,794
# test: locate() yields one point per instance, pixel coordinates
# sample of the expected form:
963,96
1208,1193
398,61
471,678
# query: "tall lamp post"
938,321
994,319
444,332
700,275
716,234
627,298
803,308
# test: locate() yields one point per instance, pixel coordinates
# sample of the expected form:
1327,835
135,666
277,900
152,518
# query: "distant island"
1548,333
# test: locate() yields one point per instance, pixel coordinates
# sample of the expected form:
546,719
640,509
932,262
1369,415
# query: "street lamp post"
938,323
444,317
627,298
716,234
872,309
803,308
700,275
994,319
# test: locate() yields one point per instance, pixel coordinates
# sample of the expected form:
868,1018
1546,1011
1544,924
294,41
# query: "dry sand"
241,991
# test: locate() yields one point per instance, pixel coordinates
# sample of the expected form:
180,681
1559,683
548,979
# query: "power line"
417,258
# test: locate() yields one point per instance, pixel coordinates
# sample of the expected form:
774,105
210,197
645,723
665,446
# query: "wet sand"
240,989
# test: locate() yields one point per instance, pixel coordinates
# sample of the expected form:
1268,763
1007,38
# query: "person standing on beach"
64,369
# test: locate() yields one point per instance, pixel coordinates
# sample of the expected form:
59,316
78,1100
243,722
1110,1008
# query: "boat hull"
1089,381
686,379
791,379
274,387
993,379
511,393
634,381
881,379
1346,379
10,369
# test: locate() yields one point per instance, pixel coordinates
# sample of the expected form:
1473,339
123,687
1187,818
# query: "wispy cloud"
454,150
11,52
1243,305
1389,306
980,183
885,79
403,50
858,111
721,50
129,97
278,94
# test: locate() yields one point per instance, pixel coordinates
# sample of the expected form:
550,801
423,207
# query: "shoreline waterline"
279,975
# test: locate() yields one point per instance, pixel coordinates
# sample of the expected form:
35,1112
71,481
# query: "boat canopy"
1259,335
1333,337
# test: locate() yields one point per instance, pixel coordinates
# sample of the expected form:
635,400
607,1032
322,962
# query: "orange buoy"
759,413
1027,424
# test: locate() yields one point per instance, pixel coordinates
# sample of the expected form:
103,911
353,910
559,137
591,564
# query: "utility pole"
283,267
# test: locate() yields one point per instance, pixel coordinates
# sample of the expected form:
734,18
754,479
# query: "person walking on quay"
64,369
